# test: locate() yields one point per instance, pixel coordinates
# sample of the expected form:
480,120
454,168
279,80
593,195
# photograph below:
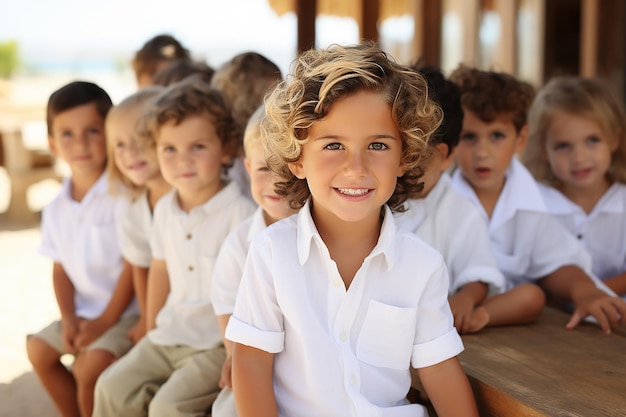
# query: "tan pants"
153,380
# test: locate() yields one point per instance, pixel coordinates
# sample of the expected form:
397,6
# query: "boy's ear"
52,145
522,138
297,169
246,163
447,156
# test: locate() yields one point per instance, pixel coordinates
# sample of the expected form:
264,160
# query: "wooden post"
589,16
427,36
369,19
306,12
506,53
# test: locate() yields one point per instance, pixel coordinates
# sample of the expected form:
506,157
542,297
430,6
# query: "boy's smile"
352,159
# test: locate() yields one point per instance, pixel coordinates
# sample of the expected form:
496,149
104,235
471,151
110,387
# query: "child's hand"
462,308
70,330
608,311
137,331
226,377
89,331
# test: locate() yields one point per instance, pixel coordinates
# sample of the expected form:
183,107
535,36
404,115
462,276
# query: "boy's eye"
263,169
94,131
66,134
120,145
378,146
168,149
498,135
468,137
199,146
333,146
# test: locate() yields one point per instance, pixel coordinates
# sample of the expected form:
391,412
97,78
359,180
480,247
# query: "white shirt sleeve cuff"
245,334
437,350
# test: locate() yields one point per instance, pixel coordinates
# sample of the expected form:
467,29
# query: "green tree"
8,58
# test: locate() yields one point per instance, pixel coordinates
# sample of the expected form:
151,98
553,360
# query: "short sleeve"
134,236
436,339
227,274
47,246
157,233
257,319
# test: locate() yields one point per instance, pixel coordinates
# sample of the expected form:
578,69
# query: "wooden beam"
306,12
427,33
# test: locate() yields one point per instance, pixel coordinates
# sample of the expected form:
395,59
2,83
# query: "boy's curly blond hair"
587,98
188,98
320,78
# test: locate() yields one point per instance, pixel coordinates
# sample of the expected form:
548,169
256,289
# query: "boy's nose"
356,164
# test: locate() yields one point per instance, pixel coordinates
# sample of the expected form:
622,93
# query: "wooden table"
542,369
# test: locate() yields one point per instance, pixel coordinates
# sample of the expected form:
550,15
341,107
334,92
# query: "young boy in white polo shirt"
93,285
335,303
232,256
439,215
530,246
175,369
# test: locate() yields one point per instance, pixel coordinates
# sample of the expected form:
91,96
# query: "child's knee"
89,365
534,298
39,352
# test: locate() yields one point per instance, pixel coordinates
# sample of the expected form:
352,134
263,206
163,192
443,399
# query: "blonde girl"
577,152
133,168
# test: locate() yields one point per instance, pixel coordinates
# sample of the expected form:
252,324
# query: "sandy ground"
26,305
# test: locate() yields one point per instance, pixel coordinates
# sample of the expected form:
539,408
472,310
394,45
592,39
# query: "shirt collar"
520,193
99,187
307,232
257,225
220,201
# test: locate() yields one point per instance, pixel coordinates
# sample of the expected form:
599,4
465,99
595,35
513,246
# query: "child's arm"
140,285
571,283
90,330
253,382
226,377
617,284
464,302
445,381
158,289
64,292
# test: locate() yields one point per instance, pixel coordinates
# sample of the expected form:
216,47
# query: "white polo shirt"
230,263
528,242
189,244
136,231
83,237
337,352
602,231
452,224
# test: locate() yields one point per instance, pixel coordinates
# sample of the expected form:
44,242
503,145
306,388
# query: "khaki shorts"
114,340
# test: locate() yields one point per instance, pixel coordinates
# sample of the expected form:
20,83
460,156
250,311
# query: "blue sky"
214,30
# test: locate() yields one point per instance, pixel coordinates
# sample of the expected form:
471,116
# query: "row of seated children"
484,316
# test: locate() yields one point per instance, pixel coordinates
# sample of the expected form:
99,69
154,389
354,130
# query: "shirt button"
579,236
188,235
343,336
191,267
337,283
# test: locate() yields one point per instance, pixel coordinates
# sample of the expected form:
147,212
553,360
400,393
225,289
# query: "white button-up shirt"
189,244
528,242
344,352
452,224
602,231
136,231
83,237
230,263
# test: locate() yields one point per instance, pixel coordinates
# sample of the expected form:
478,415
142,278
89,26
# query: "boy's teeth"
353,191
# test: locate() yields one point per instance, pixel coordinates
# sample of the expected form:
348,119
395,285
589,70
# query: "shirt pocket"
387,336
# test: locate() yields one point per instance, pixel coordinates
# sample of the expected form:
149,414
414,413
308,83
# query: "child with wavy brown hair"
533,250
155,54
577,152
336,302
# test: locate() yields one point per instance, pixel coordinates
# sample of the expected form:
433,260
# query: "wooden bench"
542,369
25,165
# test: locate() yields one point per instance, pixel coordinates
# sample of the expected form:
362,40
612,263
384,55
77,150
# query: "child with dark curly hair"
533,250
335,303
